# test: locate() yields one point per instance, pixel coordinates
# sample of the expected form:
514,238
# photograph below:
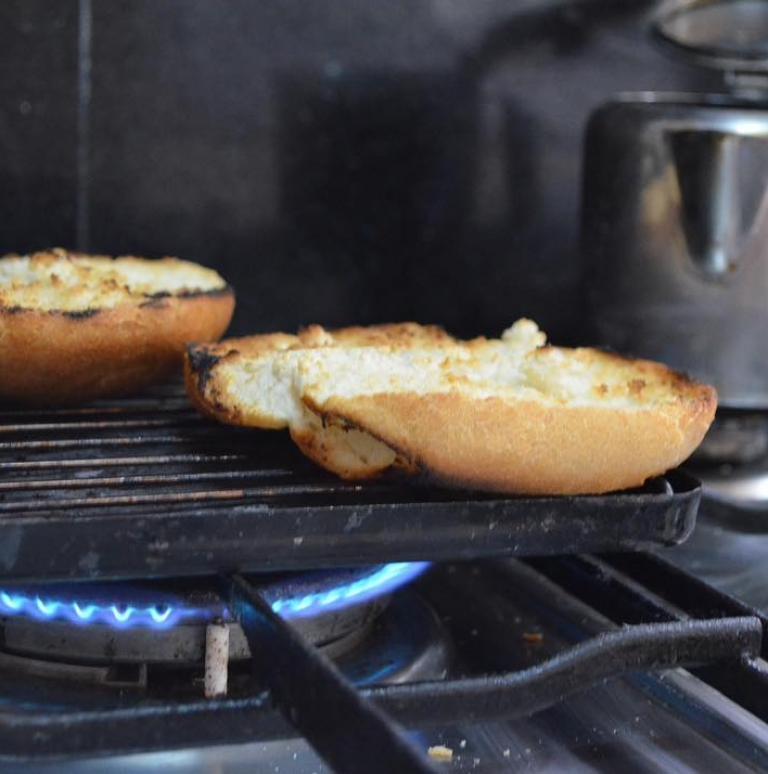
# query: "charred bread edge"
153,300
199,364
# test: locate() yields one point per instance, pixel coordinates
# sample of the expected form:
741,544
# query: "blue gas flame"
34,606
362,588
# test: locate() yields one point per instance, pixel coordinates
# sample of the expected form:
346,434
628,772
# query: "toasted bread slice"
509,415
75,327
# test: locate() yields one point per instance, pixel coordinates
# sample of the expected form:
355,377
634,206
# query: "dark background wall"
338,162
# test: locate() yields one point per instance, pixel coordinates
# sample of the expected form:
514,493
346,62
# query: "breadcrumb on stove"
440,752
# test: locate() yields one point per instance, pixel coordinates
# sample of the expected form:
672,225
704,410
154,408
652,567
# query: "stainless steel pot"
675,237
675,212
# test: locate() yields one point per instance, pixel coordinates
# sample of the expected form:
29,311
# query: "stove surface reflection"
729,546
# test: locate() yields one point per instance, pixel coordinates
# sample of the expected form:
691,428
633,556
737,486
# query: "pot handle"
710,206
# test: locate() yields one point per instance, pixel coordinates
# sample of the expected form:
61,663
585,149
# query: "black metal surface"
147,488
685,591
637,648
645,587
31,729
28,732
317,700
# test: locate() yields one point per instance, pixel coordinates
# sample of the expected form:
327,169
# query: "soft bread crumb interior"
59,280
278,385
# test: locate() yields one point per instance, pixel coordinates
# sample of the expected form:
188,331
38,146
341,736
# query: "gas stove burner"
159,643
166,622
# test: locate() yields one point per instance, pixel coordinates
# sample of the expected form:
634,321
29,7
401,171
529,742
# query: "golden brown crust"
55,357
528,447
398,335
406,334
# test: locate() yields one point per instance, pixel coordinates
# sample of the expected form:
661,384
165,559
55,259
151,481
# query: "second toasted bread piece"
76,327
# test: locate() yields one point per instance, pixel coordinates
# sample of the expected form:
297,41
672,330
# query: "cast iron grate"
665,633
145,487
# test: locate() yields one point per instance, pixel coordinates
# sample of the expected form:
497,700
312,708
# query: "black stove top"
527,635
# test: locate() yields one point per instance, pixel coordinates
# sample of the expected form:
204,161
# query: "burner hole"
127,675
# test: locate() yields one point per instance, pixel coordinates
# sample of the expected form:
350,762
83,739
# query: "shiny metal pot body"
675,237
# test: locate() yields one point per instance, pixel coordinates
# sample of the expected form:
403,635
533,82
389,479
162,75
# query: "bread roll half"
75,327
509,415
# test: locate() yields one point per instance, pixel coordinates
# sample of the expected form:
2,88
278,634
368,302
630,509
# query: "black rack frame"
148,488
